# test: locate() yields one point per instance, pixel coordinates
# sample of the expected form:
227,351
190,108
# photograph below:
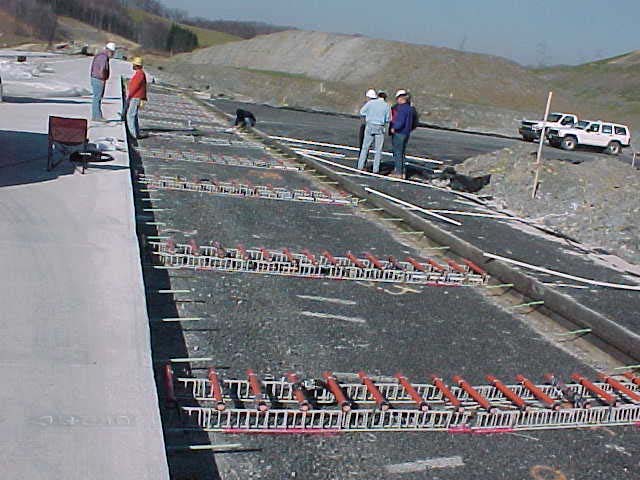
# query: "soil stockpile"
332,71
596,202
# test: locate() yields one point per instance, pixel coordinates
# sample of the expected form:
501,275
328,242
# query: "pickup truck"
530,129
611,137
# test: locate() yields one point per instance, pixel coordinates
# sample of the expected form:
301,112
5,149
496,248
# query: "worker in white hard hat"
377,114
99,75
369,95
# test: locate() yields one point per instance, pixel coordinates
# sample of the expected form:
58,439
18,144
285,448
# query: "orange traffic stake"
536,392
620,387
256,390
298,393
334,388
216,390
473,393
381,402
437,381
507,392
415,396
597,391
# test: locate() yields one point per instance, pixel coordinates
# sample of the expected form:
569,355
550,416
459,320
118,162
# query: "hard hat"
137,61
371,93
110,46
401,93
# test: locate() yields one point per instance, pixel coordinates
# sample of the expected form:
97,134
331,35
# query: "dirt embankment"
331,71
595,201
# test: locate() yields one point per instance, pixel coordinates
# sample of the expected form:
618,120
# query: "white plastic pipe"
598,283
410,206
346,147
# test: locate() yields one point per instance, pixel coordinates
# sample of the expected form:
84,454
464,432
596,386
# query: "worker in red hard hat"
136,96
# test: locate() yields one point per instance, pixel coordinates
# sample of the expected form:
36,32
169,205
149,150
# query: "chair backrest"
68,131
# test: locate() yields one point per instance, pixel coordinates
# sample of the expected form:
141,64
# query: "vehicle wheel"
569,143
614,148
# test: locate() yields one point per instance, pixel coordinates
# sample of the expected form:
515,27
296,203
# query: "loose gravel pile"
596,202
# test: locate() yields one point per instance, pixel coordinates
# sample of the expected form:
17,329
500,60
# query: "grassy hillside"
206,37
607,89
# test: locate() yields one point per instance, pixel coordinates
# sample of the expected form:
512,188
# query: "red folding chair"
65,136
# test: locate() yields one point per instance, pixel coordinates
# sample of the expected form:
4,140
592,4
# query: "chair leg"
49,154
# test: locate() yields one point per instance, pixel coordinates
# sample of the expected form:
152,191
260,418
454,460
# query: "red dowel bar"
472,392
170,245
168,383
216,390
220,251
458,268
440,385
265,254
597,391
474,267
381,402
334,388
507,392
310,256
630,376
436,265
620,387
330,258
256,390
417,265
374,260
298,393
353,259
411,391
536,392
289,256
195,249
243,252
396,264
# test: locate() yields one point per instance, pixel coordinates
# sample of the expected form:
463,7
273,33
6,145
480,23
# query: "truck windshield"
554,117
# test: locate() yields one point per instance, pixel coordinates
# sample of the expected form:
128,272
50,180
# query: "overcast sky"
530,32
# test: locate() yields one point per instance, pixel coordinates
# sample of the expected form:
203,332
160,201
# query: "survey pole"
536,179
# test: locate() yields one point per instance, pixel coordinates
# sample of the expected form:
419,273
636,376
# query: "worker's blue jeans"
98,92
132,117
372,134
399,144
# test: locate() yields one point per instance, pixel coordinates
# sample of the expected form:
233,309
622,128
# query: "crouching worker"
136,96
244,118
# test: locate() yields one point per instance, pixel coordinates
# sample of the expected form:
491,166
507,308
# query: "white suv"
611,137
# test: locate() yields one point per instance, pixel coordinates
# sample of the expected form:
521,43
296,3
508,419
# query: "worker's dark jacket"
100,66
